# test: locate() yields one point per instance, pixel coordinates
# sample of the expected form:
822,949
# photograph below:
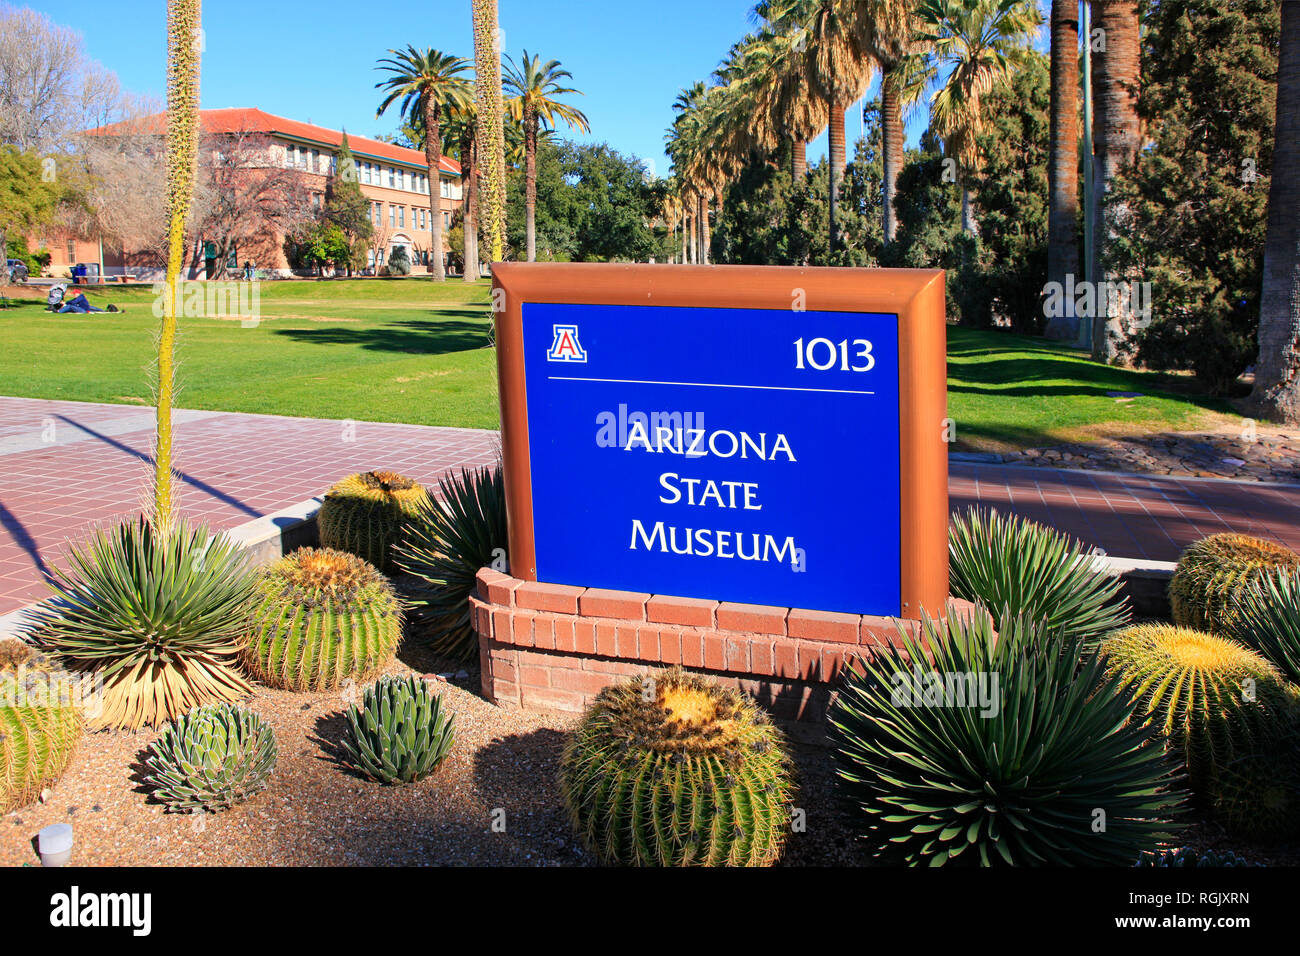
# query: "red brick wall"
555,647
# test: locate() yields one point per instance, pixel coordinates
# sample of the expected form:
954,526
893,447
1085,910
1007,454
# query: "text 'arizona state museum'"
728,452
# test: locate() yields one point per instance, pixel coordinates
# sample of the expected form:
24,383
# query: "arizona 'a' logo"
565,347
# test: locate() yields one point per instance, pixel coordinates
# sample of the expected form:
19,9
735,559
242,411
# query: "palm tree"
536,87
491,143
429,83
1277,374
461,136
1063,158
972,45
832,58
1116,140
183,63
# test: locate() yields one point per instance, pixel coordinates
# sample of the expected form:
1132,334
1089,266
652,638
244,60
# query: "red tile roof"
250,120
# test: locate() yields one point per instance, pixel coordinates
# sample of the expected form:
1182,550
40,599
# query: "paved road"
66,467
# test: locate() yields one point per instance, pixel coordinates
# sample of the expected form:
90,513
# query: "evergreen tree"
346,208
1197,198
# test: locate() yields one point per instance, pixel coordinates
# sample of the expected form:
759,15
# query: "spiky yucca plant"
157,614
320,617
1013,565
1017,774
1268,619
365,514
211,758
40,725
400,732
457,532
1215,572
1213,699
672,769
1187,857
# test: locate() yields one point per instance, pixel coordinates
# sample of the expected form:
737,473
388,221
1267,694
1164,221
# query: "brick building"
396,180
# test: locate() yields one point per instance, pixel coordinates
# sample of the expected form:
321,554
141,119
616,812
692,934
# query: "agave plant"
399,733
1013,565
1185,856
211,758
1003,749
158,615
1268,620
456,532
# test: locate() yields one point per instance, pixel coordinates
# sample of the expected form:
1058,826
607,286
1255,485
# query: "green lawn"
416,351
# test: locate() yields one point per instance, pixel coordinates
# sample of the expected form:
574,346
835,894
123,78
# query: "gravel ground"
317,813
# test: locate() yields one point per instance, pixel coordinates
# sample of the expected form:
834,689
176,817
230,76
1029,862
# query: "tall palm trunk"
695,232
433,156
969,225
686,239
837,159
1117,138
1063,161
1277,374
799,158
891,128
469,180
491,130
183,61
530,183
704,230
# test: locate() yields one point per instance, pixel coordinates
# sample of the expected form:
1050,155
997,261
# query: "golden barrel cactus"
672,769
365,514
1216,701
40,724
320,617
1214,573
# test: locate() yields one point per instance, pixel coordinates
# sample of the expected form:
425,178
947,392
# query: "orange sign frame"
916,296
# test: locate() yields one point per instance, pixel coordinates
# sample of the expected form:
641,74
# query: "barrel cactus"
40,724
1213,574
1213,699
365,514
1005,750
671,769
399,732
319,618
1258,796
211,758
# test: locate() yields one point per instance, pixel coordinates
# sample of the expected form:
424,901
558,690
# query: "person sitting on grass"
80,304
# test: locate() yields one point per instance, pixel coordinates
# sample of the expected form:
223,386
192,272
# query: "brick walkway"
68,466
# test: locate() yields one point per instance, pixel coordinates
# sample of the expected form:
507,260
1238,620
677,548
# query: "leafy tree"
26,199
1196,199
1013,195
556,215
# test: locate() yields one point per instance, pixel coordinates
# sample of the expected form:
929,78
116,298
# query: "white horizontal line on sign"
642,381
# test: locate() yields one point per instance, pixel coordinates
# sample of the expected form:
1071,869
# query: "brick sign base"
555,647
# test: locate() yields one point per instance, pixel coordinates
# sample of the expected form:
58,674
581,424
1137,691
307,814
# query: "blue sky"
315,61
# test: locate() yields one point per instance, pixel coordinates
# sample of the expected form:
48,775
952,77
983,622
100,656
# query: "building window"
392,215
401,216
446,220
302,157
72,252
315,201
365,172
390,177
288,155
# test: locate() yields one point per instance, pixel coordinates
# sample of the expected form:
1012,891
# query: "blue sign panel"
746,455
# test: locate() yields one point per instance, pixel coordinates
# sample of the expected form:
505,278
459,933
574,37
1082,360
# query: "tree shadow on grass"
411,337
